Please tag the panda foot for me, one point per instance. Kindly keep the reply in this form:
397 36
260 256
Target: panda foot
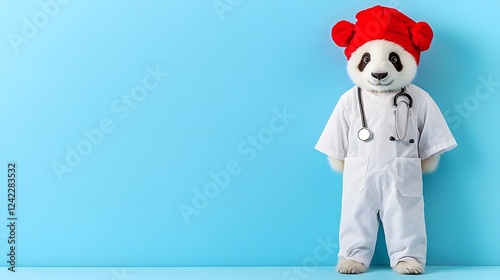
350 267
409 267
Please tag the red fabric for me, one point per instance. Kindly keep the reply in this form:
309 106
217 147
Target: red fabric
383 23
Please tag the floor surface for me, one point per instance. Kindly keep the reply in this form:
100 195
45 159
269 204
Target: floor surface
243 273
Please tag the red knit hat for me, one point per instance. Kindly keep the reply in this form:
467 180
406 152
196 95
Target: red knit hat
383 23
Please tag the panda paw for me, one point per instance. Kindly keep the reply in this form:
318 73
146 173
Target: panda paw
350 267
336 164
430 164
409 267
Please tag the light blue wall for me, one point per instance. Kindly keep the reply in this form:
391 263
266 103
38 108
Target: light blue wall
263 69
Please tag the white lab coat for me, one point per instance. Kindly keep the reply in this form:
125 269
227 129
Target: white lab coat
383 179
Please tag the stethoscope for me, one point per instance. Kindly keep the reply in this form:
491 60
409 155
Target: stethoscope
364 134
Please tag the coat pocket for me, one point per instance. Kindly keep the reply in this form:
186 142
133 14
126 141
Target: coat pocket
354 176
409 177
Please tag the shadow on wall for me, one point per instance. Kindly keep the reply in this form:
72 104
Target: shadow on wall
449 71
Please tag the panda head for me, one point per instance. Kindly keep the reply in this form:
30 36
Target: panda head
382 48
381 66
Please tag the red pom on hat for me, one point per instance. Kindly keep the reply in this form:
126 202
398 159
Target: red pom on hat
342 33
383 23
421 35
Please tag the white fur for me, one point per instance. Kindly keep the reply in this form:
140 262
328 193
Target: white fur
379 51
430 164
336 164
350 267
409 267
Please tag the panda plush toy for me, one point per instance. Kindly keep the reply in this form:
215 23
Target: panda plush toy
383 134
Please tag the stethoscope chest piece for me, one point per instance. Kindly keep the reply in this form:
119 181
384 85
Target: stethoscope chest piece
364 134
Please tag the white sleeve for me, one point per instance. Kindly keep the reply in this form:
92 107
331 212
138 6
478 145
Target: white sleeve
334 139
435 136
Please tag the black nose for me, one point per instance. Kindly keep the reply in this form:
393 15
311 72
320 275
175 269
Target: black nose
380 75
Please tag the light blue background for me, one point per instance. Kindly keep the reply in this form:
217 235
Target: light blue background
227 77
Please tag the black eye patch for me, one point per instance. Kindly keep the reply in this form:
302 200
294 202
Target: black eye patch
396 62
365 59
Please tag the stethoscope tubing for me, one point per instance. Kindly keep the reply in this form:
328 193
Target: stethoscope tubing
361 109
364 134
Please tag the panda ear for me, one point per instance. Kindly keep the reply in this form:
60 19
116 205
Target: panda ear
342 33
421 35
